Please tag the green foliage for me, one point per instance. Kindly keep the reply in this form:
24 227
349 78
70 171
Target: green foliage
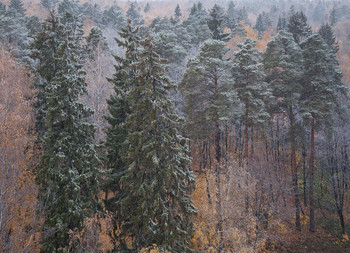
119 107
68 174
322 83
252 90
154 205
216 25
17 6
208 90
134 15
297 25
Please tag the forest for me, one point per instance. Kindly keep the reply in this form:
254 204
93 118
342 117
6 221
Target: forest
174 126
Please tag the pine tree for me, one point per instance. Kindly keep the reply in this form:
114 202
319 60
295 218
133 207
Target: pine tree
155 207
119 107
251 88
206 86
321 89
210 100
14 34
68 174
216 25
283 66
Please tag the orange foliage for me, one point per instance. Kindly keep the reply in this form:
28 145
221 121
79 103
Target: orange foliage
18 220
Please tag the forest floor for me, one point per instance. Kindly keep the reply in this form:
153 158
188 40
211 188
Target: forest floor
327 238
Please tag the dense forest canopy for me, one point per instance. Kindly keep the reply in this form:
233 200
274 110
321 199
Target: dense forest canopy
174 126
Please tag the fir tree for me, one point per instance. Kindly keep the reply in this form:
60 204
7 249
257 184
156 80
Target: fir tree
155 207
68 174
322 87
251 88
283 66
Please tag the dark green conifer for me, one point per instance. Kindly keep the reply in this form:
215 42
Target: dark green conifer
68 174
155 206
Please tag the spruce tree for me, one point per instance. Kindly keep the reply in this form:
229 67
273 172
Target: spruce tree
327 34
282 24
17 6
297 25
155 206
119 107
45 53
177 13
147 8
251 87
231 16
283 66
114 16
68 174
322 87
134 15
216 25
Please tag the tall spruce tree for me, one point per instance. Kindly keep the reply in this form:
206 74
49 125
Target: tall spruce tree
155 206
322 87
252 90
119 107
283 66
68 174
45 53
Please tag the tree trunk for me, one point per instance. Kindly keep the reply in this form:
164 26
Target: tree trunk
304 172
294 170
252 141
246 140
341 218
219 228
312 160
